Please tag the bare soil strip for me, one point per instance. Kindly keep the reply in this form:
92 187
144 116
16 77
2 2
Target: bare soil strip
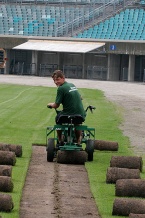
75 195
56 190
38 200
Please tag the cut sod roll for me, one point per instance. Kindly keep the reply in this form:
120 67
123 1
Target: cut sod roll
125 206
105 145
131 162
6 184
5 170
130 188
7 158
115 173
71 157
17 149
6 202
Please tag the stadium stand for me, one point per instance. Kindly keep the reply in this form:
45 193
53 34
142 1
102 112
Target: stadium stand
128 24
42 18
105 21
36 20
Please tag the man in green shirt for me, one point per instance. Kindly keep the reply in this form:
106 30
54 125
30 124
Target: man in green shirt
69 97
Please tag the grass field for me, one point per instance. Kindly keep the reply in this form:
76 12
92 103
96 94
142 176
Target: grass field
24 118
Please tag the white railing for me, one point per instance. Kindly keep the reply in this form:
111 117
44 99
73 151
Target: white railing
93 17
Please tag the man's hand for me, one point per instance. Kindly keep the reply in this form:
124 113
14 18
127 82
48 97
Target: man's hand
52 105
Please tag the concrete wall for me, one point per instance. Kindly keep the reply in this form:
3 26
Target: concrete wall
113 67
131 68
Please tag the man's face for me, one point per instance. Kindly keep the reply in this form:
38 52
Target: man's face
58 81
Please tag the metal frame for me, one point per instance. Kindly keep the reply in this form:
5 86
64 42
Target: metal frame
88 133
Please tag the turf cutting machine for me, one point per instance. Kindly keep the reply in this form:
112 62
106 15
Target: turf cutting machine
70 152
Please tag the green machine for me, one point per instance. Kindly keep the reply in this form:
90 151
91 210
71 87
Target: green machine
70 152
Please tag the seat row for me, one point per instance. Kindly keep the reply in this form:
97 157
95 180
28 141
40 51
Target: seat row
45 20
128 29
53 1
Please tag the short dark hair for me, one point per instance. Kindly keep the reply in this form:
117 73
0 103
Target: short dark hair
57 74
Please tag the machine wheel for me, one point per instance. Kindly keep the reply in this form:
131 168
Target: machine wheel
50 149
90 149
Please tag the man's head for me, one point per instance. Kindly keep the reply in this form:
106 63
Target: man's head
58 77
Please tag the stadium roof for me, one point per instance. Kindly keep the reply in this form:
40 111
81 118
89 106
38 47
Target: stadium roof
59 46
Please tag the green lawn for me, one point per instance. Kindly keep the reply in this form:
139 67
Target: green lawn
24 118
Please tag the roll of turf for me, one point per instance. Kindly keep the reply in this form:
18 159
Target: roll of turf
131 162
105 145
6 202
6 184
71 157
130 188
5 170
125 206
11 147
7 158
114 173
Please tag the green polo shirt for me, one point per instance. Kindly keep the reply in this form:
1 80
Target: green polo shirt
69 97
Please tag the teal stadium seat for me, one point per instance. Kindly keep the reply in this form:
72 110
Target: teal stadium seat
126 25
40 19
142 2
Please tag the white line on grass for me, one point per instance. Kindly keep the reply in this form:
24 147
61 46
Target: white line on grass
15 96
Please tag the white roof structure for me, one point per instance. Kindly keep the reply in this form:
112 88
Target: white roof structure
59 46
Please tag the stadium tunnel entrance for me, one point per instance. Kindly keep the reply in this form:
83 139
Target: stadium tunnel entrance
69 56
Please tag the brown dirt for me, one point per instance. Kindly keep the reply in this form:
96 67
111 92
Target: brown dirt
57 190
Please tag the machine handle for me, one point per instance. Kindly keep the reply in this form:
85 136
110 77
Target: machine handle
91 108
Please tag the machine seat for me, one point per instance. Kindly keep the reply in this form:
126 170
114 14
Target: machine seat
70 119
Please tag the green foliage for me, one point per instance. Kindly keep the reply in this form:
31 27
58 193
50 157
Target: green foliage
24 118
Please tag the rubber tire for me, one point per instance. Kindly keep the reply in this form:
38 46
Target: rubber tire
50 149
90 149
